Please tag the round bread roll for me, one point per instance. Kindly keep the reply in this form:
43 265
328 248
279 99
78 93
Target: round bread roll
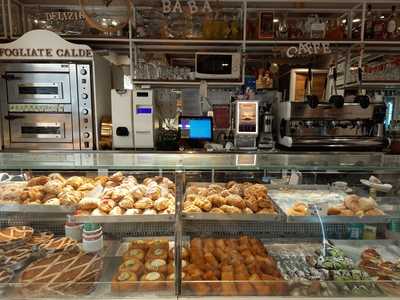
352 202
367 203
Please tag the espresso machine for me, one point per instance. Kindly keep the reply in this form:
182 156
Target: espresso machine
351 127
266 140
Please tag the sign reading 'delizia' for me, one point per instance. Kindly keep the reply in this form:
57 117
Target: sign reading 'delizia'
308 48
175 6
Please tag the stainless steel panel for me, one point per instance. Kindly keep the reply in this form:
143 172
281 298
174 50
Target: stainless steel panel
38 88
41 127
84 98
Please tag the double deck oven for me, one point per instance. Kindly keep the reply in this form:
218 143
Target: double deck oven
46 106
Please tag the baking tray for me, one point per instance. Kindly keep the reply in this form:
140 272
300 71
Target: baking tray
324 194
204 216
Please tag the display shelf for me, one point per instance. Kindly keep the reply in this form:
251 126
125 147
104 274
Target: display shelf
124 219
231 217
36 209
185 83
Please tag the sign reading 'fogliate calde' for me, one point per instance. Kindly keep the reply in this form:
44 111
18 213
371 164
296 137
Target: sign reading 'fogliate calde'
46 45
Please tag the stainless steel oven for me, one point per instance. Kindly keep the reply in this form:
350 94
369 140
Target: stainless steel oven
47 106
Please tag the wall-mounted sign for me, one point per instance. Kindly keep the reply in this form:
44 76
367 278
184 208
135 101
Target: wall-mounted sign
175 6
308 48
46 45
64 16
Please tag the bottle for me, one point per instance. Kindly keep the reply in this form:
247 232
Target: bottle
369 24
391 26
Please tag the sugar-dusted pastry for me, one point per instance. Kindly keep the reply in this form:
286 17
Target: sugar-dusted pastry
132 211
153 192
88 203
75 181
98 212
149 211
231 209
56 176
119 193
53 201
127 202
144 203
135 253
138 191
132 265
130 180
161 203
86 187
116 211
40 180
53 187
106 205
69 197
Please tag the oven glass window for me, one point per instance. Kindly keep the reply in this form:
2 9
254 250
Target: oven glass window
40 130
38 90
214 64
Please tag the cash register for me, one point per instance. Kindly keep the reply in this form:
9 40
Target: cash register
194 132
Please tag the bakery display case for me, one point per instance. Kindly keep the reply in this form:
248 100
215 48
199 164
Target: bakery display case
114 225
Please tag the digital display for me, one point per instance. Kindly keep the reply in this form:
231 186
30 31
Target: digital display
247 120
143 110
38 90
196 128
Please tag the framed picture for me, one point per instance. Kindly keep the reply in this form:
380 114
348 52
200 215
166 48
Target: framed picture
265 25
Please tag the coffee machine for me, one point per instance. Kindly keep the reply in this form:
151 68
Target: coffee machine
266 140
351 127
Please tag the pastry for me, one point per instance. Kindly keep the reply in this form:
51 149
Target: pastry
81 212
116 211
127 202
117 177
39 238
5 276
106 205
161 203
53 201
231 209
144 203
134 253
216 210
149 211
132 265
40 180
132 211
235 200
366 203
16 258
139 244
153 193
158 253
119 193
124 282
15 234
352 202
334 211
88 203
56 176
11 192
86 187
69 197
156 265
374 212
98 212
53 187
32 194
60 244
152 281
61 274
217 200
203 203
75 181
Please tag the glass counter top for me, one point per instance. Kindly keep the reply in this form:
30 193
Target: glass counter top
198 161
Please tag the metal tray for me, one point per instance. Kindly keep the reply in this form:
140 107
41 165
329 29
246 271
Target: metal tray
204 216
283 205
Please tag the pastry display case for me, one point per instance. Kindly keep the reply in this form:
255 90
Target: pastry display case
114 225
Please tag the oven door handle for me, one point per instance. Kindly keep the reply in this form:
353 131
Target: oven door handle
13 117
10 77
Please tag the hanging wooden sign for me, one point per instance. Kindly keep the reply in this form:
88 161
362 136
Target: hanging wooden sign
175 6
308 48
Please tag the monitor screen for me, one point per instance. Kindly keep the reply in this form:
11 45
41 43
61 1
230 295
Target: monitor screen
196 128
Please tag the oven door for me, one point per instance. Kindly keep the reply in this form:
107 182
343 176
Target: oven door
38 87
40 130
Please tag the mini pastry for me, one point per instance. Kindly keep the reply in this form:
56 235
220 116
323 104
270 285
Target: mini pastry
252 203
127 202
203 203
235 200
144 203
106 205
154 192
156 265
159 253
86 187
347 212
228 288
53 201
149 211
53 187
124 282
152 281
139 244
119 193
69 197
262 288
32 194
202 191
192 209
40 180
98 212
56 176
231 209
75 181
159 244
117 177
248 211
161 203
88 203
133 211
116 211
134 253
148 180
216 210
132 265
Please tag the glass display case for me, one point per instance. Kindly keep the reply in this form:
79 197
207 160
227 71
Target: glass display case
106 225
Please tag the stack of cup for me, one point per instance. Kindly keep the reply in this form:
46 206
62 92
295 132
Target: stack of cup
92 238
73 230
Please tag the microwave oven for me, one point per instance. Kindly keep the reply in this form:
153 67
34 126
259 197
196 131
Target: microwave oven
211 65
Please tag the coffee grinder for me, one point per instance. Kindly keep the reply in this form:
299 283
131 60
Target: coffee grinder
266 140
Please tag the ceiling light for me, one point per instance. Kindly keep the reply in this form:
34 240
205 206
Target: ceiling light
276 20
344 21
382 17
356 20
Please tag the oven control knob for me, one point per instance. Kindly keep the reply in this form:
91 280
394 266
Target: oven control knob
85 111
85 96
86 135
83 71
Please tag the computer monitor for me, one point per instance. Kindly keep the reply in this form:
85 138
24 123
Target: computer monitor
195 129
